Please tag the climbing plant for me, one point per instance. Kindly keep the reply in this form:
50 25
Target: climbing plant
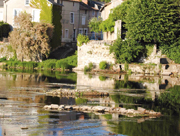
50 13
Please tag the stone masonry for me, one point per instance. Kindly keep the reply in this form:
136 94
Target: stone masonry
95 52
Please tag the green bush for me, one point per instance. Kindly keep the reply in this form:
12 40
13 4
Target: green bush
3 59
89 67
48 64
82 39
4 29
103 65
102 78
127 50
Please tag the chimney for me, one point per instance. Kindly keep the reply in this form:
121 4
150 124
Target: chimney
85 1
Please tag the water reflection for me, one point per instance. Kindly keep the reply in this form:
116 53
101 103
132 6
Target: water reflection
22 99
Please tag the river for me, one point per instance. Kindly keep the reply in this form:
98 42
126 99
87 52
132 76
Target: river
22 99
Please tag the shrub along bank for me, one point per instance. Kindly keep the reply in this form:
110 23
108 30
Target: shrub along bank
51 64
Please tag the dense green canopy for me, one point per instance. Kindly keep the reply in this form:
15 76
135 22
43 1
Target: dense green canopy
148 22
153 21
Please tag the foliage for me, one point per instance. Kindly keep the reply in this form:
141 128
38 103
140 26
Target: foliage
102 78
82 39
170 100
89 67
106 1
153 21
50 13
80 101
56 18
67 63
3 59
30 41
126 66
118 13
94 24
21 65
127 50
4 29
103 65
149 49
107 25
172 51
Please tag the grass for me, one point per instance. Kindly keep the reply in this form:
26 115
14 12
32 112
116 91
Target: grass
52 64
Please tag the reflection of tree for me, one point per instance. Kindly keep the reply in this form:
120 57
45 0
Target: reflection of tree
59 77
80 101
169 103
130 100
165 127
127 84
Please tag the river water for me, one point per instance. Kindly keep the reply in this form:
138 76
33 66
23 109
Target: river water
22 99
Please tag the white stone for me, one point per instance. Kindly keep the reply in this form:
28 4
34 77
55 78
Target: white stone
54 106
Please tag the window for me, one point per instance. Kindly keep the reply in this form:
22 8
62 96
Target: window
66 33
72 17
85 11
27 2
80 30
16 13
35 15
83 20
86 31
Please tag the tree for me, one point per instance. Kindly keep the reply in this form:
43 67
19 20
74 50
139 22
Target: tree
50 13
30 40
94 24
127 50
153 21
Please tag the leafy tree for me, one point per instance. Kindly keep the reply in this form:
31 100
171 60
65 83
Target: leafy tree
155 21
118 13
50 13
94 24
30 40
82 39
127 50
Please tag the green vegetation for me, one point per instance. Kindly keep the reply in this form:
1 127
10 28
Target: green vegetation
102 78
3 59
94 24
66 63
82 39
80 101
89 67
50 13
103 65
126 51
148 22
4 29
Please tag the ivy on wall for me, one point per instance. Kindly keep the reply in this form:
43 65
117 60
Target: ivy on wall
50 13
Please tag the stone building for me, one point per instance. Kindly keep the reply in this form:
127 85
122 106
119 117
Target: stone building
75 17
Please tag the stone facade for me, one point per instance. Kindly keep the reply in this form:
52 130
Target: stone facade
95 52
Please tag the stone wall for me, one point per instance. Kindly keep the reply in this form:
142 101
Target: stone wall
95 52
6 51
